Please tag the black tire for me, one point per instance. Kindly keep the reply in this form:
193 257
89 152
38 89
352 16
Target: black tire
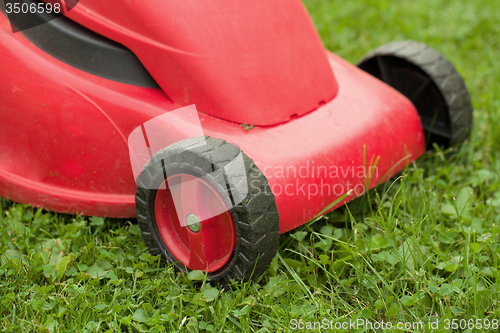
433 85
256 218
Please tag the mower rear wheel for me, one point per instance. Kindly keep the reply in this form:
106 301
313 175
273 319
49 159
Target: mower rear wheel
431 83
227 231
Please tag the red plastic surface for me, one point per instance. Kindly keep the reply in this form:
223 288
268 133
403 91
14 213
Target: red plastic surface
63 136
210 248
256 62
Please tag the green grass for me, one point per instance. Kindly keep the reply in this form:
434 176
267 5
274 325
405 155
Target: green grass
421 247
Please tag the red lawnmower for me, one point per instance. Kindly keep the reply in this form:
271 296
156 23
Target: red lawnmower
97 119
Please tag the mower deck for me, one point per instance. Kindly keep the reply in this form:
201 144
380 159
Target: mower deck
89 171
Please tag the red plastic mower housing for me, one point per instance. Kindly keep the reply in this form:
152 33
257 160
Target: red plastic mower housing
258 63
63 134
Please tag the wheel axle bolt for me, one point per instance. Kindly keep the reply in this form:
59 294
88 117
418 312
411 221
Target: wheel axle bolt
193 223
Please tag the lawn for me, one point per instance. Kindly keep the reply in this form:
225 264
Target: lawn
420 248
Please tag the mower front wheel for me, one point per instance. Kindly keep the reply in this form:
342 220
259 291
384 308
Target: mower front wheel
431 83
202 204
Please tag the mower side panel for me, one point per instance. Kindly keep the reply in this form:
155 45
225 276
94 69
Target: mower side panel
63 132
257 62
63 137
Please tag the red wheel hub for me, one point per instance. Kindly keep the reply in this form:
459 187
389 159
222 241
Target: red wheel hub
206 245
